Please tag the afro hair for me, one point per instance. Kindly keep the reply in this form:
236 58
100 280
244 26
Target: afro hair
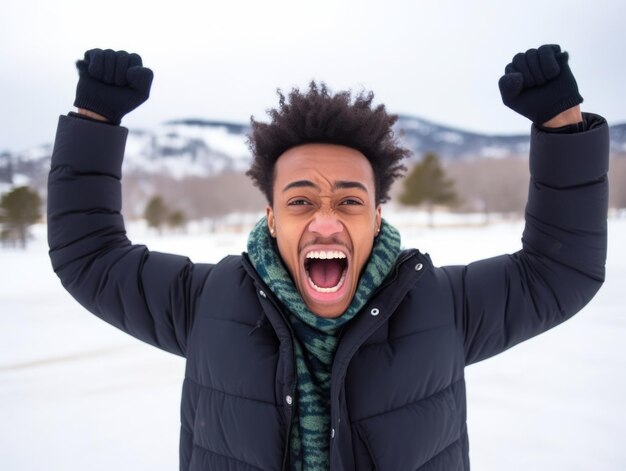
319 116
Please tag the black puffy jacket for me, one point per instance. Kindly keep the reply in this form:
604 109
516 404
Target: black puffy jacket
398 393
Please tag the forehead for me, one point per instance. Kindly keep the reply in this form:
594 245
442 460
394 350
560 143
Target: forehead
323 163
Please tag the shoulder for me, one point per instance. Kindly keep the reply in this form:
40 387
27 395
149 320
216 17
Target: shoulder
229 291
227 270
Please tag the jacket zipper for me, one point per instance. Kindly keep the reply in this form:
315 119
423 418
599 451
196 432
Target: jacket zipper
390 280
270 298
293 388
288 438
396 270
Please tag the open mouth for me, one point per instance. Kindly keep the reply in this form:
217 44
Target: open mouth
326 270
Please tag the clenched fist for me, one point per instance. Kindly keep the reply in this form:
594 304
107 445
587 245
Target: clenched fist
539 84
112 83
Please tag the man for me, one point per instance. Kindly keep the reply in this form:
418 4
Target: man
325 346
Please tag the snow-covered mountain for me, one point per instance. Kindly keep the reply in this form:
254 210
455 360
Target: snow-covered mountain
189 147
422 136
196 147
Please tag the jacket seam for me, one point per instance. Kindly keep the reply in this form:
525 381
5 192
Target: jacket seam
226 456
425 398
539 253
401 337
234 321
232 395
366 443
459 313
194 298
458 439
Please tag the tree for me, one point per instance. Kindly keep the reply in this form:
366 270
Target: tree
427 184
156 213
617 177
177 220
19 209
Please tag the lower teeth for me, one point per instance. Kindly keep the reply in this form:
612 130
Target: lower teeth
334 289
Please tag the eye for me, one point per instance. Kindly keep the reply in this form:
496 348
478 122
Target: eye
351 202
298 202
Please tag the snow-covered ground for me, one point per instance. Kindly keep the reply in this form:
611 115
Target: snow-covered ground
76 394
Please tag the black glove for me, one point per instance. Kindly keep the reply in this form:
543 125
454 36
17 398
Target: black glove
112 83
539 84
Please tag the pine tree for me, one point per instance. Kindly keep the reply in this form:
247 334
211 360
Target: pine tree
427 184
177 220
19 209
156 213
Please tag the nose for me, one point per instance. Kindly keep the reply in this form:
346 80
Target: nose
325 224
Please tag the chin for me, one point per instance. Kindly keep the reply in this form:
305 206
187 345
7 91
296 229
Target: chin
329 310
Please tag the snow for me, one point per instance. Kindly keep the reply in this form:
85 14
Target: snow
449 136
218 137
77 394
37 153
495 152
415 124
20 180
186 150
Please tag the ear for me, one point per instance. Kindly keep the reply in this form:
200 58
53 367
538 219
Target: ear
379 217
271 223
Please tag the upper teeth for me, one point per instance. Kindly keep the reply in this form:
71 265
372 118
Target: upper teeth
324 254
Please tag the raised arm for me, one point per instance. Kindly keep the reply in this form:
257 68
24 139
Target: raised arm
505 300
150 295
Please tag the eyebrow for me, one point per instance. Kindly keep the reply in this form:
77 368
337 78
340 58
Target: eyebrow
338 185
346 184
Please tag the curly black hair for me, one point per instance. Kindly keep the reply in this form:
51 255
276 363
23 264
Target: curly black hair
319 116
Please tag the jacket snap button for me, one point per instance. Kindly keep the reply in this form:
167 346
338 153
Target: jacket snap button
289 399
375 311
262 293
418 267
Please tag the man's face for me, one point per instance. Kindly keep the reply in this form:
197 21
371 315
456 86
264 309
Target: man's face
324 218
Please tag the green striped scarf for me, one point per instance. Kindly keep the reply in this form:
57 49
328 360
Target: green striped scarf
316 338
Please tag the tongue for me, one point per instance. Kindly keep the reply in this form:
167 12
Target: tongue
325 273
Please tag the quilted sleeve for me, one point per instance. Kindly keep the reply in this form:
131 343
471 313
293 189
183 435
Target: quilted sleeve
507 299
149 295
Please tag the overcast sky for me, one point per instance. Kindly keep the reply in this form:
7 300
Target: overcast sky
224 60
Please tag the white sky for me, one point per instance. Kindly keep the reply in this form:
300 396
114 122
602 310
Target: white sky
438 60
